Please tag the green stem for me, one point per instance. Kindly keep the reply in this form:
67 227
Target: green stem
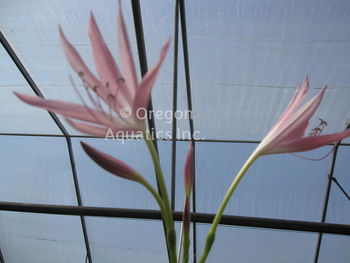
211 234
186 247
167 214
186 236
159 200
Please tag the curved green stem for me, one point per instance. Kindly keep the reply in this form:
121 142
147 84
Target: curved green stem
155 194
167 214
211 234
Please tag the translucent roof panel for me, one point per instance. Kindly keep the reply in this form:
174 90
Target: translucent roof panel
248 57
158 20
118 240
334 248
254 245
290 190
17 117
29 237
36 170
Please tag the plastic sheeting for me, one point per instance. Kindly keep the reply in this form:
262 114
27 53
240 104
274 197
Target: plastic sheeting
246 60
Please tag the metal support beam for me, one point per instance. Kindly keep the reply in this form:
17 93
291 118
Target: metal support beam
136 10
190 109
255 222
174 121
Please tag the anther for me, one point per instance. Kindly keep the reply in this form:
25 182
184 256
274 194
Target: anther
323 122
318 130
121 78
111 96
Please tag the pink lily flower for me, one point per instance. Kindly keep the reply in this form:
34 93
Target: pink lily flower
112 164
125 99
189 171
287 134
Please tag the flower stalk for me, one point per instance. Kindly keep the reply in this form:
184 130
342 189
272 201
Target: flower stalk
186 218
168 217
186 230
286 136
217 218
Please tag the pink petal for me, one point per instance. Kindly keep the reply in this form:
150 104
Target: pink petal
189 171
104 131
309 143
79 66
296 101
298 134
125 54
107 69
293 105
293 125
111 164
145 88
66 108
287 111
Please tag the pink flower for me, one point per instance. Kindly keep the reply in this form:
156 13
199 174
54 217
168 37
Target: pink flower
189 171
287 134
121 95
112 164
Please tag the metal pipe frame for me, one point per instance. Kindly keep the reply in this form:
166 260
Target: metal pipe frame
190 109
255 222
327 194
37 91
141 47
174 121
317 227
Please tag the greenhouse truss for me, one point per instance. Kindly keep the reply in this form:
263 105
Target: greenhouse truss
231 70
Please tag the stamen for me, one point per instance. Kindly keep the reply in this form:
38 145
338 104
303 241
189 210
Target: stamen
111 104
81 74
98 106
323 122
318 130
121 78
83 101
110 96
309 159
315 131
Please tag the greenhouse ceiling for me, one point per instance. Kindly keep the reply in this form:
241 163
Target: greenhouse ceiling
230 72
